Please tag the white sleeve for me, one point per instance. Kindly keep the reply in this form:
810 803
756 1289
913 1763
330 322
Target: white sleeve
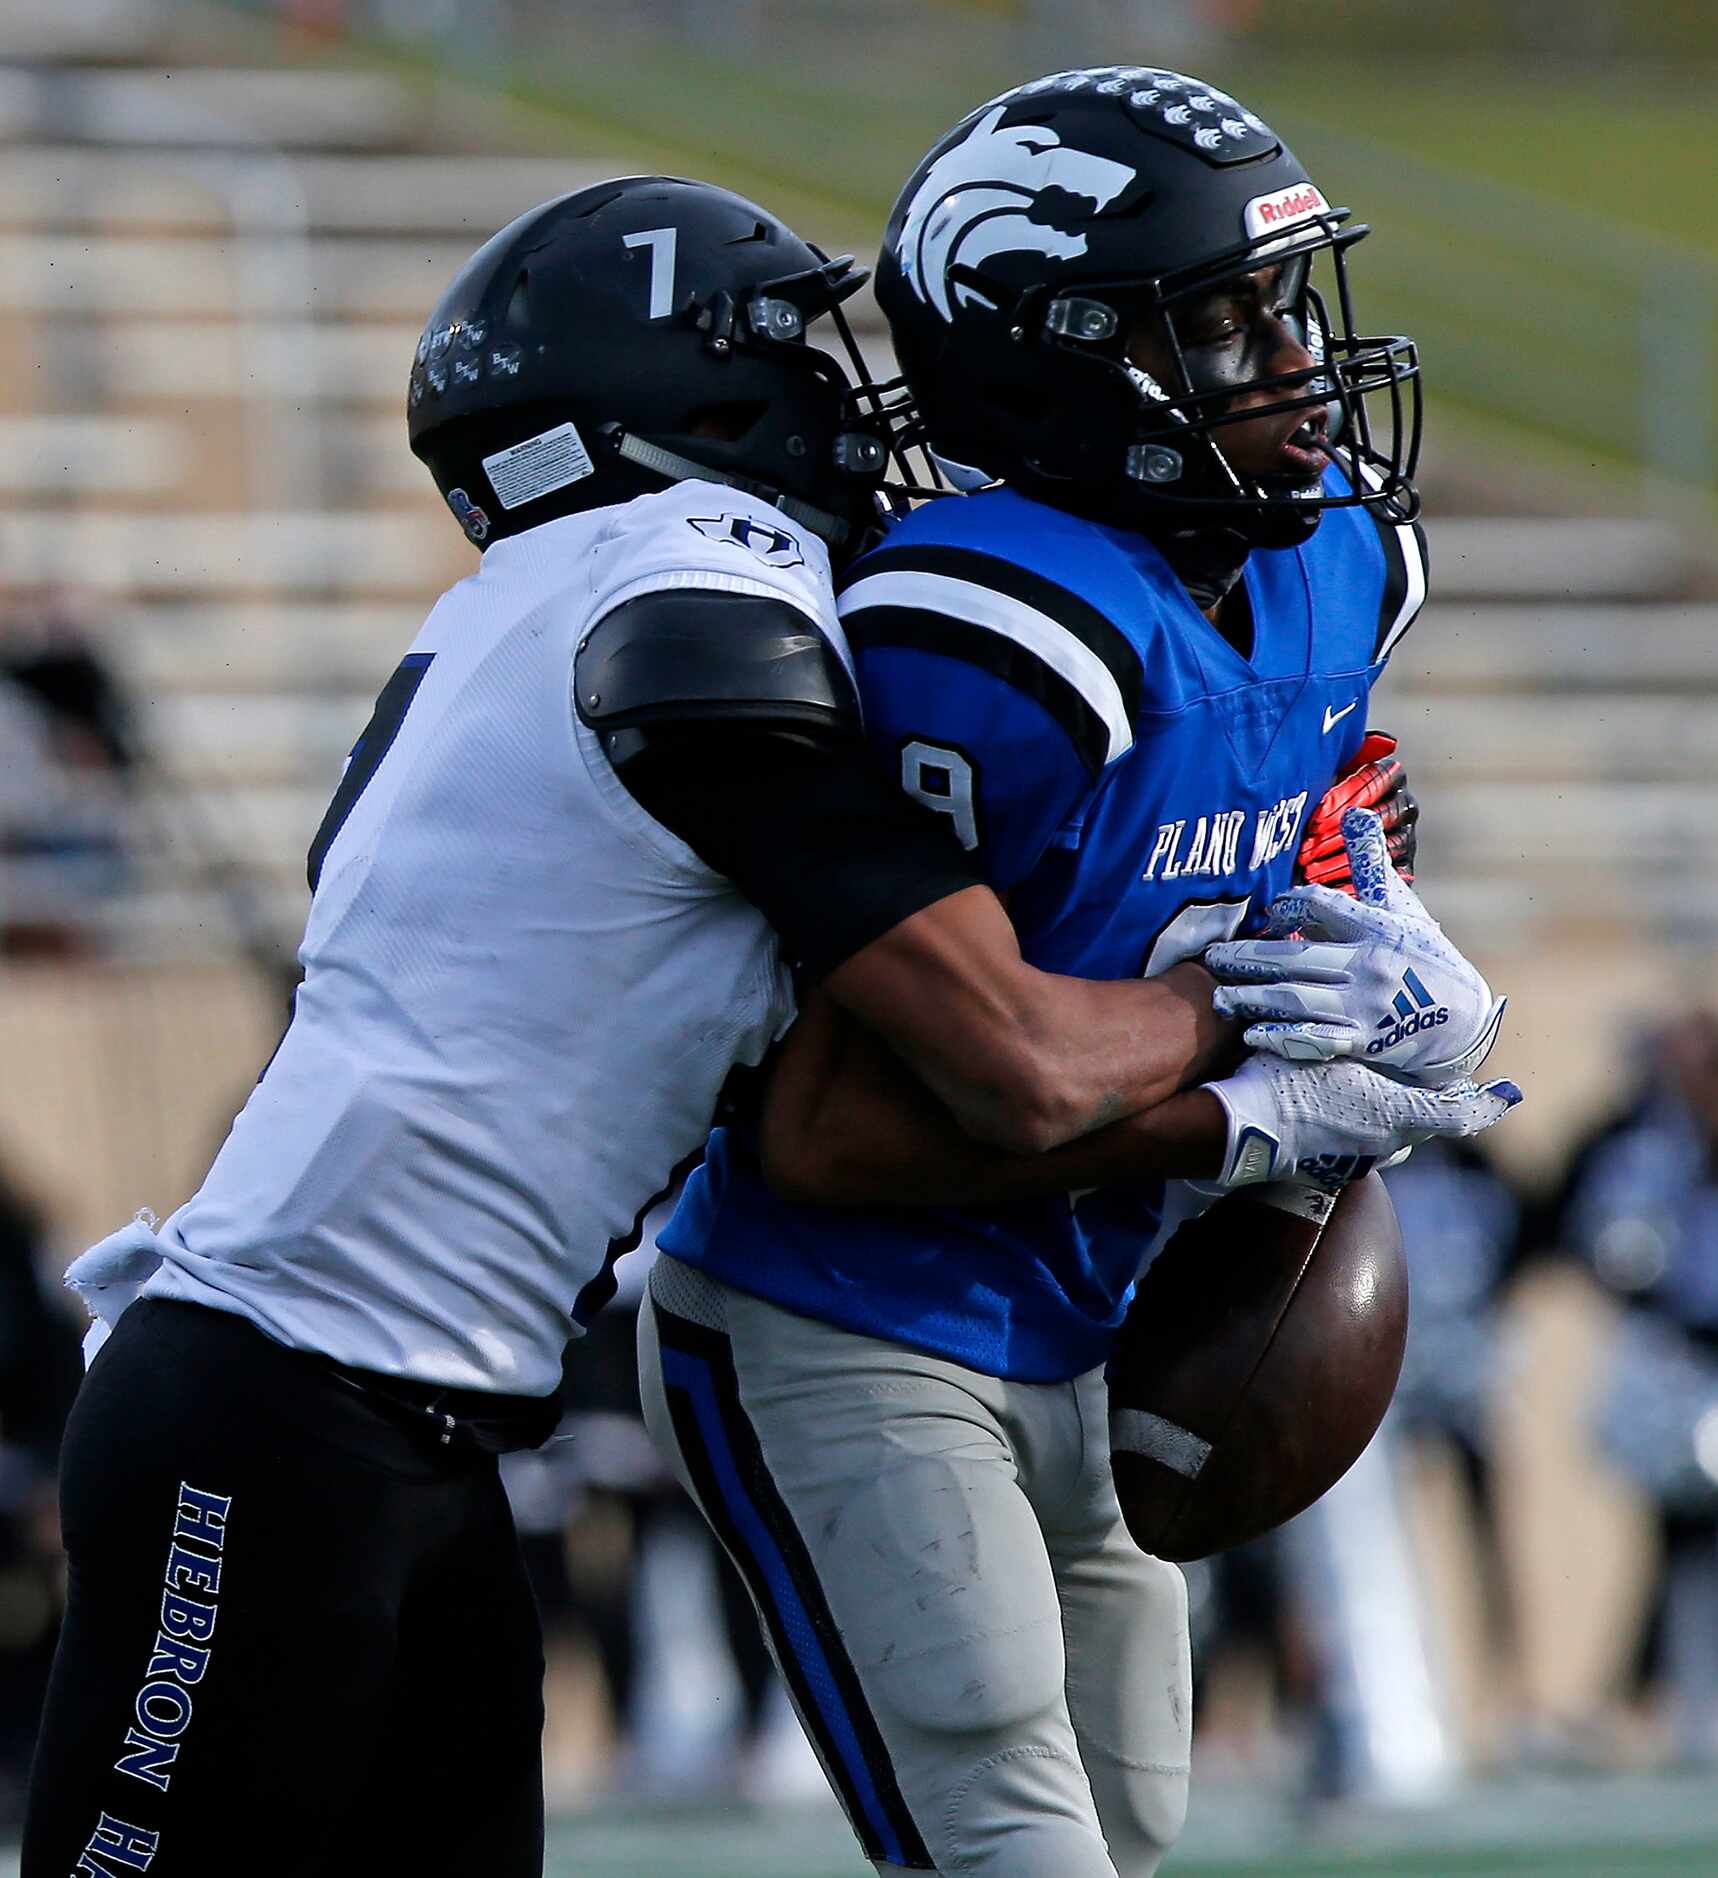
708 536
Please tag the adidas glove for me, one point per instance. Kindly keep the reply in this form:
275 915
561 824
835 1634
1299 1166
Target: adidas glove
1371 977
1325 1124
1374 780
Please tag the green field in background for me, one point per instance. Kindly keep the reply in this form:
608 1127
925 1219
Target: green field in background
694 1852
1696 1861
1525 1825
710 1849
1568 1825
839 135
1692 1860
694 1855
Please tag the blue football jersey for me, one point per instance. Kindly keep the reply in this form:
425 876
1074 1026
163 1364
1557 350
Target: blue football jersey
1136 788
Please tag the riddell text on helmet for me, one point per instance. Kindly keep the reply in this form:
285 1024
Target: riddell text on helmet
1295 204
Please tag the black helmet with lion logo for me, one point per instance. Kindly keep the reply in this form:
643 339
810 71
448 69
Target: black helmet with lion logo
1050 227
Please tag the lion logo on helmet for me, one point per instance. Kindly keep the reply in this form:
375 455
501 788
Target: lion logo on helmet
986 195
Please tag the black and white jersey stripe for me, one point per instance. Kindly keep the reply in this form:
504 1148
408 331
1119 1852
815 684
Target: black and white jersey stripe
1406 566
1033 634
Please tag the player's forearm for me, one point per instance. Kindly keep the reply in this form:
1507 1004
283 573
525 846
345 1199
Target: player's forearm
845 1125
1070 1057
1023 1059
1182 1138
1117 1049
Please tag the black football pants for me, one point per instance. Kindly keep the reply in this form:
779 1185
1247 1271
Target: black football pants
298 1639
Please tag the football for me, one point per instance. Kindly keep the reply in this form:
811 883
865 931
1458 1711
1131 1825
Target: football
1256 1361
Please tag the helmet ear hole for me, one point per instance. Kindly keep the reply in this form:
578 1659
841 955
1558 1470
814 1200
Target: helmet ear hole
729 422
1026 402
518 312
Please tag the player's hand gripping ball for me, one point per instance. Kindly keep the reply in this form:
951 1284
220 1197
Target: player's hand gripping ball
1325 1124
1255 1363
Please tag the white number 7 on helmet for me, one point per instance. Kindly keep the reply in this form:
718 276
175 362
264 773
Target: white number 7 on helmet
660 242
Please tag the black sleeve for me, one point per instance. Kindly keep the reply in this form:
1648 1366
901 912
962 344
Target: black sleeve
818 837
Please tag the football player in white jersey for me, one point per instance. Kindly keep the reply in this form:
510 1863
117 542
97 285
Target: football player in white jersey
615 784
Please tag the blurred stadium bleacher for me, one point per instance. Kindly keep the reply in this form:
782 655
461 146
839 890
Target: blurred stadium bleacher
211 280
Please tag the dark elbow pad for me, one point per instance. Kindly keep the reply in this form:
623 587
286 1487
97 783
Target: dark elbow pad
690 656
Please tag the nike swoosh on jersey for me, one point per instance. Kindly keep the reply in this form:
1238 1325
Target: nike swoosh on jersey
1333 718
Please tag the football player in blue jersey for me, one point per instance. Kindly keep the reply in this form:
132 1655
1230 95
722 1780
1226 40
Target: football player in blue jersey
1123 670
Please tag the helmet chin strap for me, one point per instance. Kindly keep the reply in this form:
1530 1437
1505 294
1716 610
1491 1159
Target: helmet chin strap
1208 553
649 456
1207 561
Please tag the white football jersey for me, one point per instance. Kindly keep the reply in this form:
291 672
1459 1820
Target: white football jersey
521 995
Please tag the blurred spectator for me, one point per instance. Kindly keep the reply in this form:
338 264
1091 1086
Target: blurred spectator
65 748
39 1370
1462 1232
1641 1207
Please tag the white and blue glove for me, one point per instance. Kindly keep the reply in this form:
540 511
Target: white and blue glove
1325 1124
1372 978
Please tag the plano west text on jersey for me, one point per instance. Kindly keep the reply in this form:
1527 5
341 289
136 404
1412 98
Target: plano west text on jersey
1213 847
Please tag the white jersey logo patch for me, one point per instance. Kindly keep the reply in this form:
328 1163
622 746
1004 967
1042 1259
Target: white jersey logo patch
775 547
978 198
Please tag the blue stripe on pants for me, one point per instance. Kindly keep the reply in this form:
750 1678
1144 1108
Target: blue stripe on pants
681 1371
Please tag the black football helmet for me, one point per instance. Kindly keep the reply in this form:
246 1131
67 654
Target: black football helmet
1049 226
635 334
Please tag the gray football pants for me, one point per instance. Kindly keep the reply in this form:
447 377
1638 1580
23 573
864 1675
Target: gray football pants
995 1678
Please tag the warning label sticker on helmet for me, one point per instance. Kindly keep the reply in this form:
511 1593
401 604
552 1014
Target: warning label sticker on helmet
1300 202
538 466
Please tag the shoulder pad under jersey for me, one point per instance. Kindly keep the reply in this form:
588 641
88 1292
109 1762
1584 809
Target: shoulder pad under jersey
693 655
